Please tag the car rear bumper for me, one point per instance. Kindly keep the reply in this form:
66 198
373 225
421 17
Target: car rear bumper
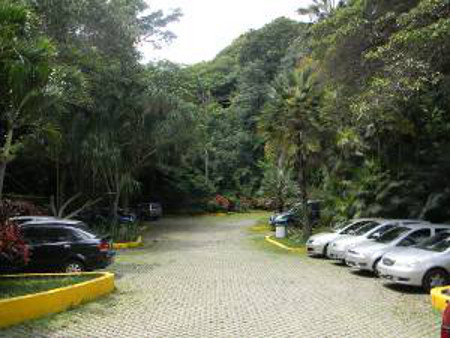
315 249
400 275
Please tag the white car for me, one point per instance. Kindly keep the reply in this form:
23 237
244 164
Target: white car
366 256
338 248
317 245
426 265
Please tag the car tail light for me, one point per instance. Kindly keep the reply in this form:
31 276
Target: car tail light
103 246
445 329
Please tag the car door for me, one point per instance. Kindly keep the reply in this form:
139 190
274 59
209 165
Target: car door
35 238
49 247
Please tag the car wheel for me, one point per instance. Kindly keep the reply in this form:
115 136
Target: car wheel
375 268
74 266
325 250
435 278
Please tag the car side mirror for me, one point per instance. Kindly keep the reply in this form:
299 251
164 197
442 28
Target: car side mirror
376 236
351 232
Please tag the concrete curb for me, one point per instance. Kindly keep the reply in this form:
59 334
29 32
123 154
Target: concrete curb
129 245
273 241
439 300
20 309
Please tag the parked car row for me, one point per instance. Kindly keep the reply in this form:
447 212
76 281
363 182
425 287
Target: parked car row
63 245
410 252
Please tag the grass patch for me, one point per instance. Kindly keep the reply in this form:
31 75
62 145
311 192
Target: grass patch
261 226
21 286
261 244
290 242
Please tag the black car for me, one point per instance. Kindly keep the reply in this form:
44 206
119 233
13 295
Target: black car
103 215
65 247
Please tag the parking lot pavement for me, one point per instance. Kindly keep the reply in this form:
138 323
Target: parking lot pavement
209 277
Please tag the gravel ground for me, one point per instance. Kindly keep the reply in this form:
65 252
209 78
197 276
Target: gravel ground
211 277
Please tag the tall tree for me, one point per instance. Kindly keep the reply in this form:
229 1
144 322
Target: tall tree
25 69
292 120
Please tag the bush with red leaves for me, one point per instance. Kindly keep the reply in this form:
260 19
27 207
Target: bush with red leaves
9 208
223 202
14 252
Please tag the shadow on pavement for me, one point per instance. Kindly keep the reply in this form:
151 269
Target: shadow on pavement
408 289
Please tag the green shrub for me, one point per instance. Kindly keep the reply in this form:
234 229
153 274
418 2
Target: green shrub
120 232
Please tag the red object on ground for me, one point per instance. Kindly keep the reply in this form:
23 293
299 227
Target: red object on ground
445 328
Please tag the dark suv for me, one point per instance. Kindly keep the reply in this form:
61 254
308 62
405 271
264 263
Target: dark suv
66 246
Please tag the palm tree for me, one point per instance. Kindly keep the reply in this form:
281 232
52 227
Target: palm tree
291 122
321 9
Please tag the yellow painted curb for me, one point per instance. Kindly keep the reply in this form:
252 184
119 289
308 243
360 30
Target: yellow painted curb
129 245
282 246
439 300
19 309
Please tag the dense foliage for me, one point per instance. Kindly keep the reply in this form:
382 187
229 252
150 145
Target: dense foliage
352 109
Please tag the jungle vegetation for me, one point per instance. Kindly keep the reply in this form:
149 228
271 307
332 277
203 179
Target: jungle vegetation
351 108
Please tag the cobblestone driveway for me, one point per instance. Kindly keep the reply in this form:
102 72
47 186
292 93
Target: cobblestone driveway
208 277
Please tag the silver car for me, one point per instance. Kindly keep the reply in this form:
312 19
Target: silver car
338 248
366 256
23 219
317 245
426 265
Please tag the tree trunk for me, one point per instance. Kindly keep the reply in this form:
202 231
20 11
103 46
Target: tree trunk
206 165
5 156
281 205
2 177
116 202
126 201
302 183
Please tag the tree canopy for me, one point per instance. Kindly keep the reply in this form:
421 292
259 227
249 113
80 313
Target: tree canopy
351 108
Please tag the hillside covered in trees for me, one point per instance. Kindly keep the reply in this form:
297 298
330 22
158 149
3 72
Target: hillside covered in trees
352 108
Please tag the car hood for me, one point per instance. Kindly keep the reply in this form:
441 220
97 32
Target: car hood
324 237
370 248
283 215
407 255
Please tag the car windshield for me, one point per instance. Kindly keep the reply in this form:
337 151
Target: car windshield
352 228
438 243
390 235
366 228
86 234
380 231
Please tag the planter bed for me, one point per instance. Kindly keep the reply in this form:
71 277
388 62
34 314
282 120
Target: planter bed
128 245
21 286
440 297
46 294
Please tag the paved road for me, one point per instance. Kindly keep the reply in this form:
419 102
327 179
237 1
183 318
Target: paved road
208 277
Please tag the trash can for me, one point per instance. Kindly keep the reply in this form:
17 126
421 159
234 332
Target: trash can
280 230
